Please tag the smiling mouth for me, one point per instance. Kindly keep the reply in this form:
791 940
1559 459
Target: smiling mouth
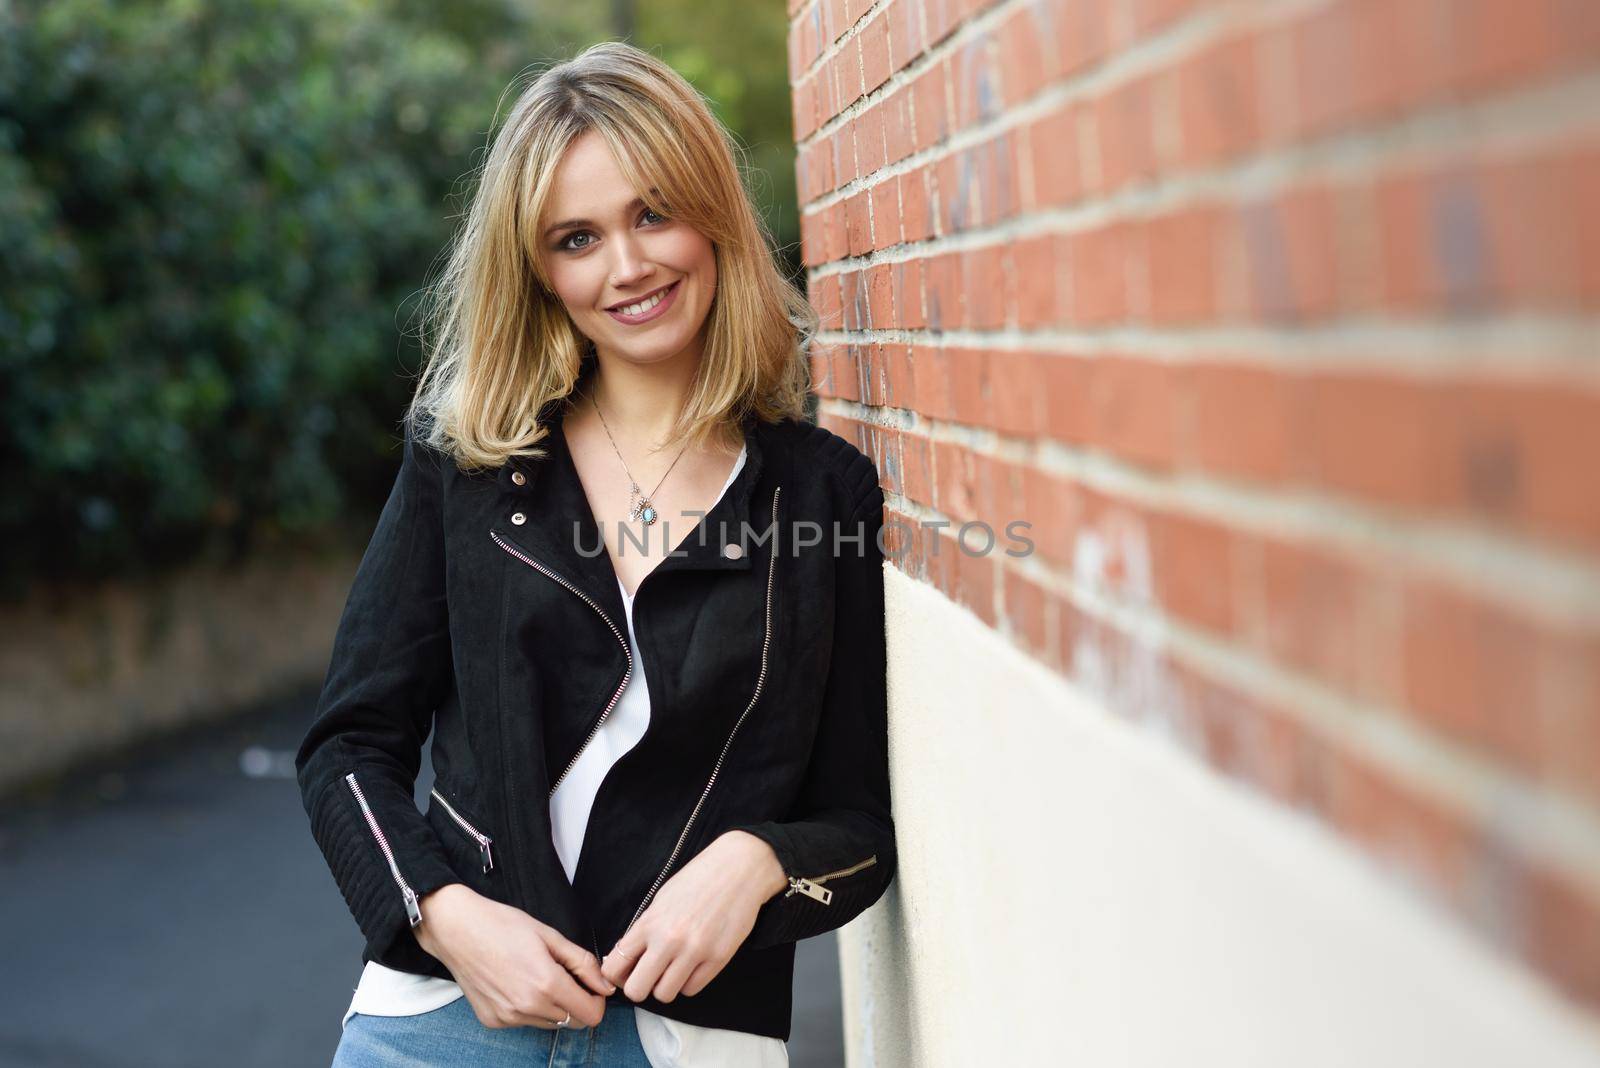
648 301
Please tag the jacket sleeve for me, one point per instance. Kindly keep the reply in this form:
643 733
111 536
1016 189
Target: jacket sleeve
838 847
358 763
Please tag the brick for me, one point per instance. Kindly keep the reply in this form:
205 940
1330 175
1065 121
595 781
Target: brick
1238 420
1126 127
1024 617
929 105
885 214
852 301
1131 405
1467 665
944 300
1022 44
1066 383
838 231
1040 292
1381 437
871 152
909 294
1183 265
858 224
1217 101
985 278
1013 383
1082 36
1053 147
1290 246
1517 454
847 166
916 222
1194 571
897 128
1562 932
1100 265
874 38
1323 615
905 33
880 297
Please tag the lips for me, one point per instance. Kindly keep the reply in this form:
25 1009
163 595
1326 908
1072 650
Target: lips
635 300
663 304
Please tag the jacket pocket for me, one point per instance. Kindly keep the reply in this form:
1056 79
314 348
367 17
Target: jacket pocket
484 842
812 887
413 910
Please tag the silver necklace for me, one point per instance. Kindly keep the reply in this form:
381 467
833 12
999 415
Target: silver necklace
639 506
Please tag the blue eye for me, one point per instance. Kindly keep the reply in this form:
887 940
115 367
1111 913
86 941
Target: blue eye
566 247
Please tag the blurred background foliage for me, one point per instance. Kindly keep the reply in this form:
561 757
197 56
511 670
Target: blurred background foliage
216 221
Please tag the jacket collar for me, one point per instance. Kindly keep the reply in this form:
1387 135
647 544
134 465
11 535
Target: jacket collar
559 528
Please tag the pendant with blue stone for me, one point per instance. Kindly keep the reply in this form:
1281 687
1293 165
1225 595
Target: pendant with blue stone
647 512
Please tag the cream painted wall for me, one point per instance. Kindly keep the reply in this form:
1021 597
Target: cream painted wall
1074 891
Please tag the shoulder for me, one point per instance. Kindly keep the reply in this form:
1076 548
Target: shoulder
848 473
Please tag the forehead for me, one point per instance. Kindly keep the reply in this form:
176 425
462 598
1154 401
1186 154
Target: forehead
587 179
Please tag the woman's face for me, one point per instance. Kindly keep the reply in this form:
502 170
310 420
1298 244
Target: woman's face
605 253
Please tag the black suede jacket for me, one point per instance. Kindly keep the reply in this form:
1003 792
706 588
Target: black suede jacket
486 607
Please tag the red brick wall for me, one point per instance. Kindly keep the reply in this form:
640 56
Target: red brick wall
1277 321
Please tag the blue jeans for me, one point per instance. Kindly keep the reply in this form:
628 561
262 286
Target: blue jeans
451 1035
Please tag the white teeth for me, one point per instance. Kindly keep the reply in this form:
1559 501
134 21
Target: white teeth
644 305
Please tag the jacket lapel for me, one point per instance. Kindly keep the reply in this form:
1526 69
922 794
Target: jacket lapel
558 527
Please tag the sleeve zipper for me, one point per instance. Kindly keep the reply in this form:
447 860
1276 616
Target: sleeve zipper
813 887
413 910
484 841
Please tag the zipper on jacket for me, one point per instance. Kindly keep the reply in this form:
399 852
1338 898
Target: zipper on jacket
590 601
813 887
484 841
413 910
761 679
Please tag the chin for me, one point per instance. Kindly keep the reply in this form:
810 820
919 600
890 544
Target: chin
653 350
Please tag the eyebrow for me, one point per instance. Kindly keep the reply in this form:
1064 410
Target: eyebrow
567 224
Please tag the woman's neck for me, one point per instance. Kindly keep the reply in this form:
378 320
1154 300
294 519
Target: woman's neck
640 401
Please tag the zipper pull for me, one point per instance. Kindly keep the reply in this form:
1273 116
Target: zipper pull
488 857
810 889
413 910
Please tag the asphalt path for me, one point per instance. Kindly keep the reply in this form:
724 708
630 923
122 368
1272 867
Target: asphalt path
169 908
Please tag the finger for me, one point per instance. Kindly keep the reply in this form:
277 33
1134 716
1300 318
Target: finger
706 971
619 963
582 963
589 972
646 972
565 995
672 979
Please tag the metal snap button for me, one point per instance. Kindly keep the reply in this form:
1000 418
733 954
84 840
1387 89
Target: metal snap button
732 552
518 477
518 518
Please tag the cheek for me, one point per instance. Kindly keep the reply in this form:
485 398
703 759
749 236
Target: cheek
573 286
692 253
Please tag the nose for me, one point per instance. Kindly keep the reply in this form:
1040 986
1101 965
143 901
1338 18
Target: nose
630 267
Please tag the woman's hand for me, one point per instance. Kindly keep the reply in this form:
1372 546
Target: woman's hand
697 921
514 970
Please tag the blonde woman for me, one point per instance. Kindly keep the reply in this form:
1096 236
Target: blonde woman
638 601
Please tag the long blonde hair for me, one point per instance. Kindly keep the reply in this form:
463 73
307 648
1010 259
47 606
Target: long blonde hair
499 346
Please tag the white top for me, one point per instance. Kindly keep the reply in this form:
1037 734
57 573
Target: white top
668 1043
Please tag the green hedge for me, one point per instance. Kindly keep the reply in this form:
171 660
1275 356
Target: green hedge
216 222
